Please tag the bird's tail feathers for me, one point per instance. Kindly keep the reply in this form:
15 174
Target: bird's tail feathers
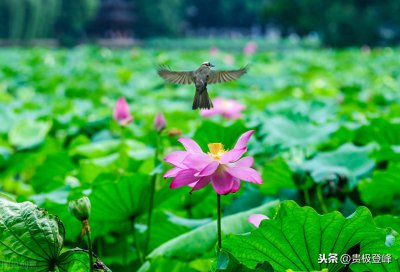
202 100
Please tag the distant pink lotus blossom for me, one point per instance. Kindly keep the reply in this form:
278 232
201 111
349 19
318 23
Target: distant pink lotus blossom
256 219
365 49
229 109
224 169
214 51
159 122
121 112
250 48
229 59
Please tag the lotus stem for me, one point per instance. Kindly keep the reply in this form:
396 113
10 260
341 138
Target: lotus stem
152 192
321 199
86 229
138 251
219 236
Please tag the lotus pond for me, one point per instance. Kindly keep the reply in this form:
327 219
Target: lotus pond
312 184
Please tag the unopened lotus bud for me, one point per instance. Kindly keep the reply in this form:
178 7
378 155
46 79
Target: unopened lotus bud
80 208
159 122
121 112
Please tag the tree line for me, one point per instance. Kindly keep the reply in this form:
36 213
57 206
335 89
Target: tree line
337 22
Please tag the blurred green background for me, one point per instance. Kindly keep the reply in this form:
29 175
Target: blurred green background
335 23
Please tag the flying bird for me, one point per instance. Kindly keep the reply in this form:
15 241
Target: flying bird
201 77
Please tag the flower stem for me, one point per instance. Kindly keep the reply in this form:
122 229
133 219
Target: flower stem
150 212
152 192
90 250
124 159
321 199
307 196
86 230
219 222
138 251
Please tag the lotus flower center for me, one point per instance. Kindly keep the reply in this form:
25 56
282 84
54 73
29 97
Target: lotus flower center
226 105
216 150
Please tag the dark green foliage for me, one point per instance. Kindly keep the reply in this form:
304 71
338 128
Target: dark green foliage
23 20
158 18
28 19
339 23
75 15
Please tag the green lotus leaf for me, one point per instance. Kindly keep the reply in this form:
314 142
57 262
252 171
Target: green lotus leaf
211 132
200 241
28 133
383 188
348 160
118 200
277 176
381 131
31 239
297 236
287 133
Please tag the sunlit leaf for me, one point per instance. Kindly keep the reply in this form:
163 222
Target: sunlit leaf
118 200
28 133
383 188
201 240
348 160
296 237
31 239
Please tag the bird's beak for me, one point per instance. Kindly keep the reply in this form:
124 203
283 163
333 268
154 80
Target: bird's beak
212 65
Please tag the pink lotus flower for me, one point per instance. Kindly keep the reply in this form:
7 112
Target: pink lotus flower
159 122
224 169
250 48
229 109
256 219
214 51
121 112
229 59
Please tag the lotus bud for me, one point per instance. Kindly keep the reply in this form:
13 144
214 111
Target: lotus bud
159 122
121 112
80 208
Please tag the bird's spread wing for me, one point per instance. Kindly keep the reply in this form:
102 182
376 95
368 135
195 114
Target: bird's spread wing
224 76
176 77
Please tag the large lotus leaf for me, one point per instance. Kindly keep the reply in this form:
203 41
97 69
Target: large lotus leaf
96 149
392 225
76 260
118 200
28 133
200 241
31 239
387 153
383 188
277 176
52 172
348 160
297 235
167 226
56 202
381 131
319 111
388 221
89 169
287 133
7 117
210 132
